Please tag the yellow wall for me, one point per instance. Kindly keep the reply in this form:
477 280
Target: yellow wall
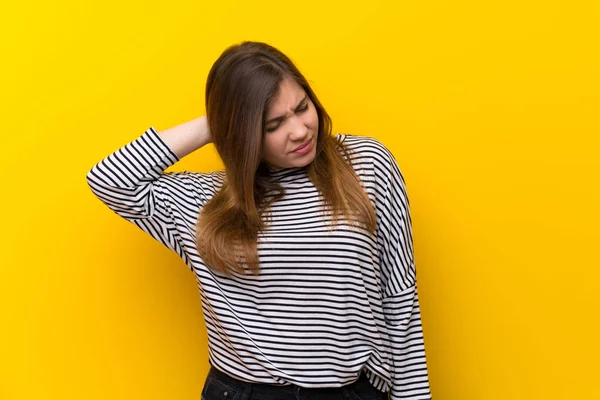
491 108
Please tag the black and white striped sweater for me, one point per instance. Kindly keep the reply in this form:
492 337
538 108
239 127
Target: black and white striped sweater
326 303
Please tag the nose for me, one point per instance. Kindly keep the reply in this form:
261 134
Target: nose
298 131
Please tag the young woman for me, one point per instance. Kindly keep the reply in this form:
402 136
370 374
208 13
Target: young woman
301 246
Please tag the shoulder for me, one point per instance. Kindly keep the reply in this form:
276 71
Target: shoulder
367 148
204 182
213 178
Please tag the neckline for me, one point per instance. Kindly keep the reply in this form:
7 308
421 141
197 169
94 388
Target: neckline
288 171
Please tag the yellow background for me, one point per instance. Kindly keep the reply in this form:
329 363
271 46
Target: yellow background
491 108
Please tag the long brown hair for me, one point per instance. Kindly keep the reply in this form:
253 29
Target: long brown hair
241 85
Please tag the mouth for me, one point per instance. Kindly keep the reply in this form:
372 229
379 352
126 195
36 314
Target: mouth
303 146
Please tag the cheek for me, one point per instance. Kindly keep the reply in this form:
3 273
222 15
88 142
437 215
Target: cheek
313 119
273 145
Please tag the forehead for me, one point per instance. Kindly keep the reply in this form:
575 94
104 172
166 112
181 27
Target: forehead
288 95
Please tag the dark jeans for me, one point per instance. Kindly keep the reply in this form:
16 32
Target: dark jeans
220 386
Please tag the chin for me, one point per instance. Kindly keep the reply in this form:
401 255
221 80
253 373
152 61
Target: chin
306 162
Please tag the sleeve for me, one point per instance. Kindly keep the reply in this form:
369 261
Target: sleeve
400 298
131 182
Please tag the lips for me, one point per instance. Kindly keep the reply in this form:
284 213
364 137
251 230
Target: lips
302 146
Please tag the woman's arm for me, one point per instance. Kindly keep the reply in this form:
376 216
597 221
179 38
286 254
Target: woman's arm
401 308
188 137
132 182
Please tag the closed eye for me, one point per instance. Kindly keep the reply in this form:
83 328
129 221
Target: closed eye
298 110
303 108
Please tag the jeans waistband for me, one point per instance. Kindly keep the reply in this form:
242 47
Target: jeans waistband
267 389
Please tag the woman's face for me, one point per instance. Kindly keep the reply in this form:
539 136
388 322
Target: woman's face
291 121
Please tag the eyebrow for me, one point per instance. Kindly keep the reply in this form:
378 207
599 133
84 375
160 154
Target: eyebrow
282 117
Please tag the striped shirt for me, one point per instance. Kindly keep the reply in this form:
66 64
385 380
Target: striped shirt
327 303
